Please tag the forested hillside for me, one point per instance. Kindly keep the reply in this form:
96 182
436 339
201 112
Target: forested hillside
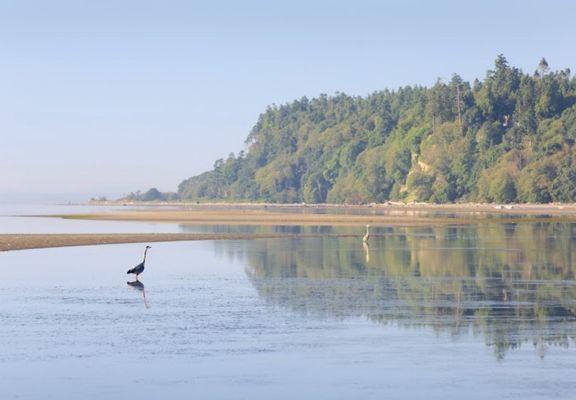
507 138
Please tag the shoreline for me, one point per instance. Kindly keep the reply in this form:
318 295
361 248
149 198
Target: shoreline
226 215
13 242
415 215
391 205
206 217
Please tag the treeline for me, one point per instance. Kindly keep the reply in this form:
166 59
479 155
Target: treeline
152 194
507 138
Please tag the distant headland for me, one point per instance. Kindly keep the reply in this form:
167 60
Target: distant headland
506 139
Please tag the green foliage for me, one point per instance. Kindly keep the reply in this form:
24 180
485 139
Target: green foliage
507 138
152 194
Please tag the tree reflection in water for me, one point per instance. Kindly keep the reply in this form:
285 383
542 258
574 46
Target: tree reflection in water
510 283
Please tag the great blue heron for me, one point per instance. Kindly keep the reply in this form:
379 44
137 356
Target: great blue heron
137 270
367 235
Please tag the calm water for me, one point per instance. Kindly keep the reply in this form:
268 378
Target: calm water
11 220
450 312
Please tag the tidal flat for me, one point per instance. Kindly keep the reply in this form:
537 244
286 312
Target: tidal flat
466 310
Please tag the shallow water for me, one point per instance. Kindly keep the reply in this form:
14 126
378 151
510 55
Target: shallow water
440 312
12 220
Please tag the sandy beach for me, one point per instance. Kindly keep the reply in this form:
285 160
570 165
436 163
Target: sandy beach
37 241
352 215
287 215
524 208
251 217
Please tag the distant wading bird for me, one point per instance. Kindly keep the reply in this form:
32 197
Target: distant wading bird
367 235
137 270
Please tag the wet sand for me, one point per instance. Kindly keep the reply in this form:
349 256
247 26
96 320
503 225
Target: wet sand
355 216
394 206
37 241
252 217
289 215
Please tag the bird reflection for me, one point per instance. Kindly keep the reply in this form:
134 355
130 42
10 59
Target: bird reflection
138 285
367 251
541 347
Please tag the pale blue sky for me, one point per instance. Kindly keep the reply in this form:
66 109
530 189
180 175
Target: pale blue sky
110 96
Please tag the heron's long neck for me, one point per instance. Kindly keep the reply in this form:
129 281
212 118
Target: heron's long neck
144 260
367 230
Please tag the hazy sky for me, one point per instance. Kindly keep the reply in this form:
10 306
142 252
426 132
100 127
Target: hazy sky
107 97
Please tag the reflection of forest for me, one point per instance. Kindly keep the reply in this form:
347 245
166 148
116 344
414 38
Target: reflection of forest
509 283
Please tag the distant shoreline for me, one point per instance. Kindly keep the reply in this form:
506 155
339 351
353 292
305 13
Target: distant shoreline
389 215
322 215
547 208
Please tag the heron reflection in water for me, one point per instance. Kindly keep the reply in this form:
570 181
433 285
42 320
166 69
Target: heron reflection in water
365 241
138 285
367 251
